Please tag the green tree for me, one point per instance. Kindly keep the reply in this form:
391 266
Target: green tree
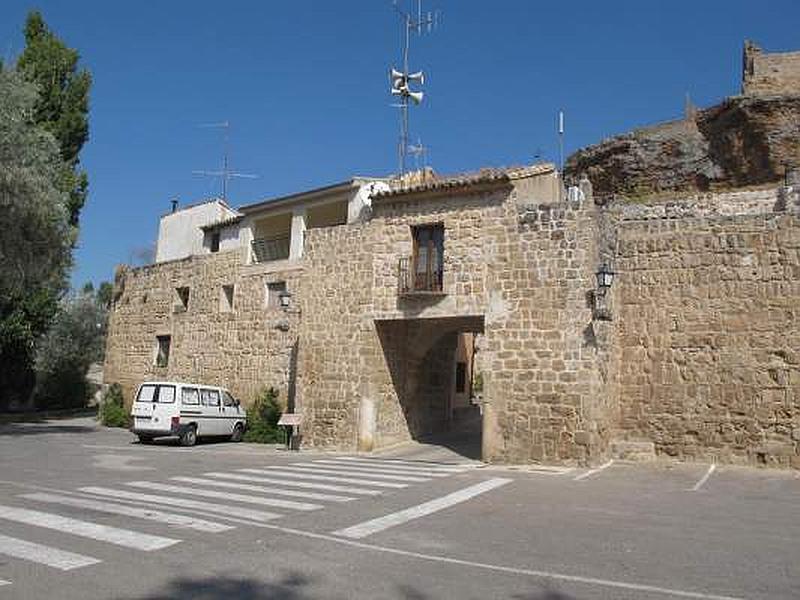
73 342
35 236
105 294
63 104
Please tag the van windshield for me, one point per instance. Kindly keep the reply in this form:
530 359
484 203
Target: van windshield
164 394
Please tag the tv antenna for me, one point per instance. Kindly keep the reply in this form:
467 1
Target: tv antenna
225 174
400 79
419 151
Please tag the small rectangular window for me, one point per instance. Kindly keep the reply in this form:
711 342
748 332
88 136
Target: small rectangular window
226 298
274 291
162 350
209 397
461 377
190 396
182 295
215 241
166 394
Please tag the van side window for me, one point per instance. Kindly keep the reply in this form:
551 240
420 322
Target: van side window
147 393
210 397
227 399
190 396
166 394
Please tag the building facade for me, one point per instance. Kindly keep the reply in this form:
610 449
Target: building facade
386 312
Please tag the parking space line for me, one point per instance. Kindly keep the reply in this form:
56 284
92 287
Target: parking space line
704 478
591 472
44 555
366 528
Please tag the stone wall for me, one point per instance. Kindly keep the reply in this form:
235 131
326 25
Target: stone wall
707 315
516 264
243 349
769 73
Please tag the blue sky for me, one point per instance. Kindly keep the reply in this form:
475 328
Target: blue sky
304 84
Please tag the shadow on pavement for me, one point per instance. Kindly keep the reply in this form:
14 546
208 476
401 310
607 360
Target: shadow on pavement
16 429
291 587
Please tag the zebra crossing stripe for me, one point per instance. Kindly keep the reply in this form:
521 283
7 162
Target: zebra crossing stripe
290 473
306 485
178 489
44 555
362 468
95 531
328 470
177 503
443 467
264 490
131 511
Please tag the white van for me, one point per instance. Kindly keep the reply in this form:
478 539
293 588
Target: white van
186 410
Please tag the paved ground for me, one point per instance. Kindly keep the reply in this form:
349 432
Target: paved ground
86 513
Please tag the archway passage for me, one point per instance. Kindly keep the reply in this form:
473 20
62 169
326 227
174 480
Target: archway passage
433 395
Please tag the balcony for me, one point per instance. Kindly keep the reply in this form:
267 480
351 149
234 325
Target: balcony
427 279
270 248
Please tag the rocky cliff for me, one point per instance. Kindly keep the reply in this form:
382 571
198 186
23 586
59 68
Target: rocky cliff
745 140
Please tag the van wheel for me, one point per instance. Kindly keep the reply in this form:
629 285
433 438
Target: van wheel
238 433
145 439
189 436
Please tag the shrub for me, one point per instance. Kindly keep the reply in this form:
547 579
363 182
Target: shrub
262 419
112 410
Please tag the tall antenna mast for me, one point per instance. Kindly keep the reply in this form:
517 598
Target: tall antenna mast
225 174
561 141
401 79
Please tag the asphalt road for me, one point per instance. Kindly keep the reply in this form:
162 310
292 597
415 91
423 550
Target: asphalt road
87 513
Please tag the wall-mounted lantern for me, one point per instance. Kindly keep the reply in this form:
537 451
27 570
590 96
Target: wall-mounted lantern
285 299
605 277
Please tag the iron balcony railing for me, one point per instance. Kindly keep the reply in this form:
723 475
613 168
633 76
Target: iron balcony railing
271 248
423 280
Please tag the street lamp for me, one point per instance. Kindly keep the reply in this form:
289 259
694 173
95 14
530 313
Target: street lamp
605 277
285 299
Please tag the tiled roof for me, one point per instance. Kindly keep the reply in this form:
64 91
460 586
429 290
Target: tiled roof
222 223
430 182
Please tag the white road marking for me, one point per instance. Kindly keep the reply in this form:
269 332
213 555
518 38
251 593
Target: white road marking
591 472
44 555
271 473
95 531
4 582
361 467
264 490
344 470
130 511
415 512
704 478
178 503
193 491
536 573
300 484
435 466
